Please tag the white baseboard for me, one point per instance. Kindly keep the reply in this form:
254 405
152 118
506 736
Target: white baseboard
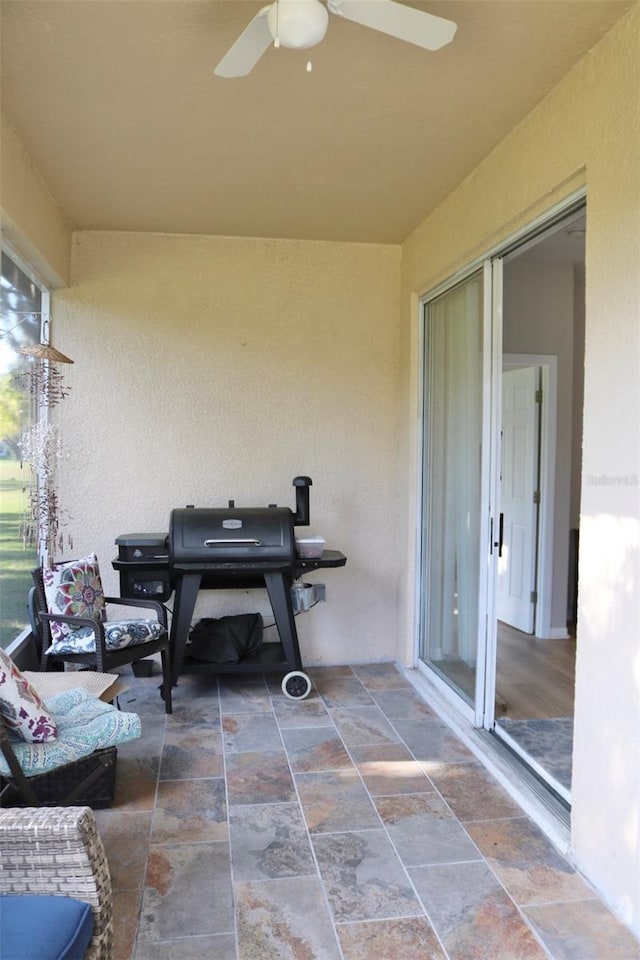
553 633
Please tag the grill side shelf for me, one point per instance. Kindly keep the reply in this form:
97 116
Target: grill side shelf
330 558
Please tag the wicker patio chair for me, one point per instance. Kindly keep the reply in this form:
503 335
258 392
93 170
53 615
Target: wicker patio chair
58 851
102 658
75 767
90 780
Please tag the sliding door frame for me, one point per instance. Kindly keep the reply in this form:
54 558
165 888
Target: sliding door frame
488 527
482 714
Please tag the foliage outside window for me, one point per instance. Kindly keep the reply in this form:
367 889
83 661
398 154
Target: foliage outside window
22 303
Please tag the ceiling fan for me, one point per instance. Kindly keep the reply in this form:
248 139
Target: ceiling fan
299 24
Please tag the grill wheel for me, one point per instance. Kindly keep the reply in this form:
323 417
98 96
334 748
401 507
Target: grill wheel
296 685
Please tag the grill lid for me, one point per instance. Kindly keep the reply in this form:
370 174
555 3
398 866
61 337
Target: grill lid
223 534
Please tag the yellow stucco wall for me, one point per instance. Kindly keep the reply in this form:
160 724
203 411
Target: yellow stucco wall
31 220
586 132
209 369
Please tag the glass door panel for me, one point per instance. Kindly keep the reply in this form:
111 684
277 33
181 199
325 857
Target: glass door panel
452 492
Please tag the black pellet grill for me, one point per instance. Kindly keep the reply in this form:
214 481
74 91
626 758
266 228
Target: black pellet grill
225 548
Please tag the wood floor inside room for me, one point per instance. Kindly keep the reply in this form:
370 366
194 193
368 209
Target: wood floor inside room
535 678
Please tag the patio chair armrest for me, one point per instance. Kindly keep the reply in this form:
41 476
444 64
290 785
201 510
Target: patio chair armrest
58 850
76 622
143 603
73 621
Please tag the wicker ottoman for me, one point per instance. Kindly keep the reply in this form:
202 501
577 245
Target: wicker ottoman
57 851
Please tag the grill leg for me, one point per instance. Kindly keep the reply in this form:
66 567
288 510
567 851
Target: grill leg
280 598
187 588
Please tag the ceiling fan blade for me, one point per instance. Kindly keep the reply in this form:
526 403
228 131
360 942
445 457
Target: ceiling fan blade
248 48
397 20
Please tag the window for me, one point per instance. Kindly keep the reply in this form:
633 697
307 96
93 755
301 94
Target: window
22 305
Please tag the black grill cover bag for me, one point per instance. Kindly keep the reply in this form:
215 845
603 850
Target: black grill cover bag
226 639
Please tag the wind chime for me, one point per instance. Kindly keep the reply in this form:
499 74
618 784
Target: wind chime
43 378
42 449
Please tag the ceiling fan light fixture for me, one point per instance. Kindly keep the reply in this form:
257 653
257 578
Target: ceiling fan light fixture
298 24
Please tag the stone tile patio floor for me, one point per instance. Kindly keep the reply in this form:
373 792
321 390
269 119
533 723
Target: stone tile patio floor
353 825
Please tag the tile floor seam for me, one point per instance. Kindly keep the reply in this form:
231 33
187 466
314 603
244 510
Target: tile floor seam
362 781
143 883
419 899
445 863
514 904
408 916
271 803
420 763
499 820
188 843
319 876
481 856
376 829
557 903
521 906
517 906
427 914
190 779
538 939
311 773
232 881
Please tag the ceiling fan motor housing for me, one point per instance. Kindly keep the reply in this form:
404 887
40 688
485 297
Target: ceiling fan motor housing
298 24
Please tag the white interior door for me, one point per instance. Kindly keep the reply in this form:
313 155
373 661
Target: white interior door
515 603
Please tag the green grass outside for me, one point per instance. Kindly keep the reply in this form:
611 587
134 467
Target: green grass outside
16 563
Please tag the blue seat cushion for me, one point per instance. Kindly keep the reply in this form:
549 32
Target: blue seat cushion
44 928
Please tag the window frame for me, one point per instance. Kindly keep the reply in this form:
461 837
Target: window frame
17 647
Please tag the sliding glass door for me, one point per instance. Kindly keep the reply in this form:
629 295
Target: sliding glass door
457 474
478 446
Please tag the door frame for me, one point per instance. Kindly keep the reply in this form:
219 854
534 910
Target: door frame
548 365
491 392
484 713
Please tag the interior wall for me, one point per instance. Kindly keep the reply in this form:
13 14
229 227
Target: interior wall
579 281
585 133
209 369
538 312
31 219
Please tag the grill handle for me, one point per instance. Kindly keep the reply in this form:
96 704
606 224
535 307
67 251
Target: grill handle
227 543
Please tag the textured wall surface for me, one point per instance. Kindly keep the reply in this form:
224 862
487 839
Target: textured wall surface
587 131
209 369
31 219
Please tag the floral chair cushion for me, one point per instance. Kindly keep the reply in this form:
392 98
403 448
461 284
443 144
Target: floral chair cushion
117 633
84 724
21 706
74 589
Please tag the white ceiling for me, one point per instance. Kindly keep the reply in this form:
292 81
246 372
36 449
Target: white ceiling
118 106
